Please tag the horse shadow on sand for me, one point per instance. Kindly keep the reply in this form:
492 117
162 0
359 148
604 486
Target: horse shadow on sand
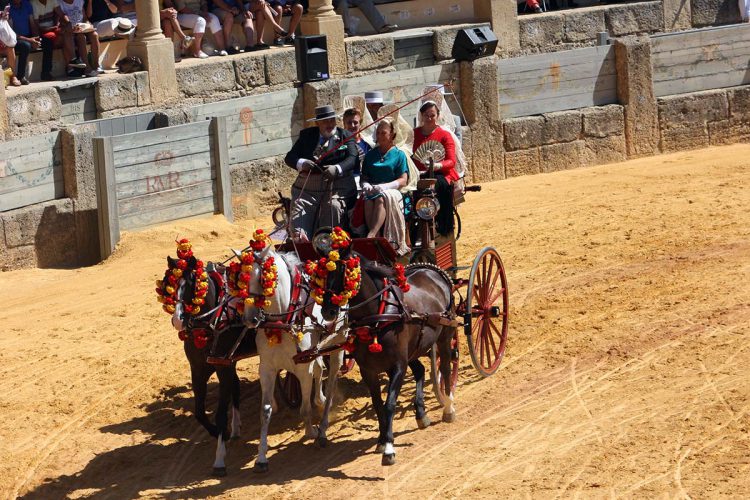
175 458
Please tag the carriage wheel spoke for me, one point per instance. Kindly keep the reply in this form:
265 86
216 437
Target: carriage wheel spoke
488 352
491 341
493 284
499 338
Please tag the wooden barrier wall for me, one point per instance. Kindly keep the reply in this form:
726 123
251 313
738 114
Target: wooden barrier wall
257 126
161 175
556 81
698 60
31 171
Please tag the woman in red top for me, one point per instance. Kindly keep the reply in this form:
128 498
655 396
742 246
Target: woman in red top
445 171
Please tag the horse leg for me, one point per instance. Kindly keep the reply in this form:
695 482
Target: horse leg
225 375
417 369
373 384
444 349
333 375
236 420
267 383
396 377
320 397
305 375
199 375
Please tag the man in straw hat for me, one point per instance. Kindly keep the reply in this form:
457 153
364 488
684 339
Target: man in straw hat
325 157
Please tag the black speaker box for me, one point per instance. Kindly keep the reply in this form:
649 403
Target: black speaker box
472 43
311 53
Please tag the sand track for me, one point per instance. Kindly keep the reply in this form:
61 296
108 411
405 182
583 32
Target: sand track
626 370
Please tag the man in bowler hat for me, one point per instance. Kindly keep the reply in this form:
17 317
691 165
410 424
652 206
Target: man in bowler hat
324 156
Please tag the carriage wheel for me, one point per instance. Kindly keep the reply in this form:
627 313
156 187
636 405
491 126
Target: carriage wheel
289 389
486 318
437 386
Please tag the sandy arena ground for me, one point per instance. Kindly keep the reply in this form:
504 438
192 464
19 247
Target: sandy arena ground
627 370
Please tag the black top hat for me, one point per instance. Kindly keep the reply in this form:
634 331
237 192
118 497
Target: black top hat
323 113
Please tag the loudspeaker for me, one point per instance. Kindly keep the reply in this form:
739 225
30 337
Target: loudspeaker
311 53
472 43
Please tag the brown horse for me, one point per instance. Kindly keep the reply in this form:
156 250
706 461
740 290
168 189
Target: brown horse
405 326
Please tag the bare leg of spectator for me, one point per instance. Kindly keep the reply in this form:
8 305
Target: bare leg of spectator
228 25
214 25
94 41
81 46
297 10
249 29
10 53
260 27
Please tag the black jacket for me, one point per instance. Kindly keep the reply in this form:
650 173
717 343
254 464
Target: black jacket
346 156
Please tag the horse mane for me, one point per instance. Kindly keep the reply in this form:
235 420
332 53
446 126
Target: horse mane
411 268
374 267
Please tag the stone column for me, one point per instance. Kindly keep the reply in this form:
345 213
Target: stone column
677 15
635 91
3 113
156 52
503 17
480 100
321 19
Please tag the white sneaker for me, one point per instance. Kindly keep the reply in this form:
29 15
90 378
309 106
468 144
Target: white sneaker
220 53
100 70
201 55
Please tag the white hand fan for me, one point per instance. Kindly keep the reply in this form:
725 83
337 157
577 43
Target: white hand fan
430 150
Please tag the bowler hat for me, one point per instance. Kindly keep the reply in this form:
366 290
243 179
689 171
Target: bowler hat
323 113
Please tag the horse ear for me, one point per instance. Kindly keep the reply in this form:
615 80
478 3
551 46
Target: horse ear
191 262
171 262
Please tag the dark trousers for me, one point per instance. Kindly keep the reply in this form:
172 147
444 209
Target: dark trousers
22 51
47 47
444 192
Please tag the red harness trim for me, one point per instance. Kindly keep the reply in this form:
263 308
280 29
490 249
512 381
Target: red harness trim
296 291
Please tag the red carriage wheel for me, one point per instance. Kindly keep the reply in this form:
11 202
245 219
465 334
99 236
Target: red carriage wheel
437 386
486 318
289 389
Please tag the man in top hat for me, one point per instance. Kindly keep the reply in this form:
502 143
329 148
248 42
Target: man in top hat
325 156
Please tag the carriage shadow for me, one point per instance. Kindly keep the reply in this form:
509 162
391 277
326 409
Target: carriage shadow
175 459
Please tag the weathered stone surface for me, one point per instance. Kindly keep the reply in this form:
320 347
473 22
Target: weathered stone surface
280 67
320 94
142 88
369 53
603 121
17 257
684 138
478 83
714 12
693 109
601 150
582 26
78 164
642 17
36 106
561 156
524 162
541 30
503 18
561 126
3 113
483 149
721 133
523 133
443 38
209 77
158 58
739 102
250 70
677 15
636 92
115 92
255 185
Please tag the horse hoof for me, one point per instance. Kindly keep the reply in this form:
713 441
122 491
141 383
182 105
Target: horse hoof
321 441
449 417
260 467
380 448
424 422
220 471
388 459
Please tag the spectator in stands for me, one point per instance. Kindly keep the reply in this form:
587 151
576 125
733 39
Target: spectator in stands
529 6
20 15
126 8
46 25
293 8
102 14
73 16
374 101
197 22
170 25
368 9
229 12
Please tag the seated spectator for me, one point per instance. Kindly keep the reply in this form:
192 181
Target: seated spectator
229 12
374 101
197 22
262 12
170 25
293 8
72 16
126 8
529 6
374 17
46 25
103 15
384 173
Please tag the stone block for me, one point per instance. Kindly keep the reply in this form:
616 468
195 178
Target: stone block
714 12
41 105
561 126
524 162
541 30
17 257
693 109
255 185
443 38
479 96
721 133
601 150
642 17
503 18
739 102
483 149
78 165
603 121
142 88
523 133
115 92
281 67
582 26
677 15
563 156
319 94
3 113
365 54
684 138
210 77
250 70
635 91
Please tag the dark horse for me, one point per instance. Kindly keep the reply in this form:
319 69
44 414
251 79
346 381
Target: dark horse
200 333
405 326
